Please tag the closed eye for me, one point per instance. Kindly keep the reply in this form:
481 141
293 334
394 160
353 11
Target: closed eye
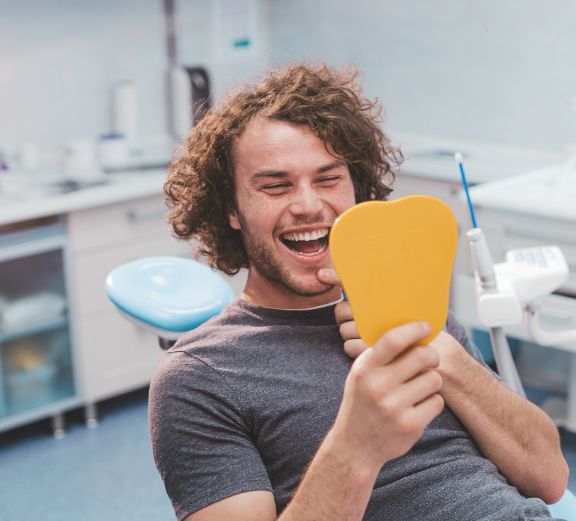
329 180
276 188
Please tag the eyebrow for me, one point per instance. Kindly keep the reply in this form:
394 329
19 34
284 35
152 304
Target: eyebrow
281 174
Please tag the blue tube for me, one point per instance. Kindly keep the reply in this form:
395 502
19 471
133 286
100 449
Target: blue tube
458 158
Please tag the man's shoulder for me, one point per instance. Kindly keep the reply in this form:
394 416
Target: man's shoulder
196 355
213 330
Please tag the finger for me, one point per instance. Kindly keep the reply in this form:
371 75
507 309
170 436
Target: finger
397 340
414 391
414 361
425 411
348 330
355 347
405 367
343 312
328 276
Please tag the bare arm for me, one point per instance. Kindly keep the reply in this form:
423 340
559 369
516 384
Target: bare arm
517 436
511 431
390 397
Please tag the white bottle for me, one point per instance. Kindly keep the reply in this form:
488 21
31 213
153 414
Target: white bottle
125 119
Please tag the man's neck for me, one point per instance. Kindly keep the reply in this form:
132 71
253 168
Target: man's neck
272 295
244 297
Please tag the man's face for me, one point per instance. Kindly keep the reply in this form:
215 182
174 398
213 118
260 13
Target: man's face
289 191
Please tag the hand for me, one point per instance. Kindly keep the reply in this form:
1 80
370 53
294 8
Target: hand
390 397
353 344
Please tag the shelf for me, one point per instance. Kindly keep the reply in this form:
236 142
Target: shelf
35 329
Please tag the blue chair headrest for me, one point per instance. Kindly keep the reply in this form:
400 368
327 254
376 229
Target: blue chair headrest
169 293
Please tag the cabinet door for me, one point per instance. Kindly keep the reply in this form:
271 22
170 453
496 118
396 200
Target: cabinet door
90 269
113 355
35 349
116 356
94 228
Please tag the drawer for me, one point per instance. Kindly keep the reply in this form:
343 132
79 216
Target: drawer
113 356
93 228
90 269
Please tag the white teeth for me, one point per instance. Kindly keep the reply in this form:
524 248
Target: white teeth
306 236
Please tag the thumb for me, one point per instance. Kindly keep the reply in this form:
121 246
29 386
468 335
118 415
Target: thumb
328 276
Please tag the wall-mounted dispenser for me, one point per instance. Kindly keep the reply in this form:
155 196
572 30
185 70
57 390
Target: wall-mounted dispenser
189 97
188 86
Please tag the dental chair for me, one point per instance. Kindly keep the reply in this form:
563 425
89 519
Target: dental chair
167 296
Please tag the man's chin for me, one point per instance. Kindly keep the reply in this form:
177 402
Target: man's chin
310 290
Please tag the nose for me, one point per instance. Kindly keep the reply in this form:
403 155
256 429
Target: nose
306 202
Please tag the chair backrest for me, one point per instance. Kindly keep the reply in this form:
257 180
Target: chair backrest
167 295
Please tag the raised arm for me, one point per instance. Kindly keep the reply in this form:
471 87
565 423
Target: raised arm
517 436
390 397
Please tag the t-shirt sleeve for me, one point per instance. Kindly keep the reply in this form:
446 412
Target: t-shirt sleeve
457 330
201 443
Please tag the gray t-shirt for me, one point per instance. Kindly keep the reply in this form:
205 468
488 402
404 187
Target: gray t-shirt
243 402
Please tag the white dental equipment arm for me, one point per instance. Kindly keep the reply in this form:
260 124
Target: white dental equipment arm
495 308
512 290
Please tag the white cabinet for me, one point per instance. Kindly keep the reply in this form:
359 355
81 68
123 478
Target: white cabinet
113 356
37 378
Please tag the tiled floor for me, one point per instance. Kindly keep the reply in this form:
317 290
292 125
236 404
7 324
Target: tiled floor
105 474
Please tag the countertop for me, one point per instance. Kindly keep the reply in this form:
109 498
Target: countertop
427 157
547 192
433 157
115 188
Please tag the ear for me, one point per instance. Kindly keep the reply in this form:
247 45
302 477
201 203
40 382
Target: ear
233 220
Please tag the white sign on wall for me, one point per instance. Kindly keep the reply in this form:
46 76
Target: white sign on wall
235 29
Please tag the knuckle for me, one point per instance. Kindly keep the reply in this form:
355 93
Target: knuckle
438 403
426 356
421 354
359 371
343 312
390 407
346 330
391 341
436 379
407 425
354 348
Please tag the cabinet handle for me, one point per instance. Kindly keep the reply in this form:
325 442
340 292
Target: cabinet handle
137 217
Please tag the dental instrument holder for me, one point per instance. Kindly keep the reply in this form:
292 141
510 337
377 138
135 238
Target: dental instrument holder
513 290
489 298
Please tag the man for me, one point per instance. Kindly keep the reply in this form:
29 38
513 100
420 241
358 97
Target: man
261 413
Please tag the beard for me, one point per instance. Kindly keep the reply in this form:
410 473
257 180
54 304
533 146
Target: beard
265 260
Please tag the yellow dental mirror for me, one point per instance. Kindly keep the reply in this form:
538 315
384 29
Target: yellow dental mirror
395 259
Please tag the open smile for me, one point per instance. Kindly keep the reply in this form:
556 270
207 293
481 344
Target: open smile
306 243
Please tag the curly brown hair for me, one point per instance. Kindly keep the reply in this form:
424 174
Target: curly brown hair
200 187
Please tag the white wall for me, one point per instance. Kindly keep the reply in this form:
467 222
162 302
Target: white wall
60 58
500 71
